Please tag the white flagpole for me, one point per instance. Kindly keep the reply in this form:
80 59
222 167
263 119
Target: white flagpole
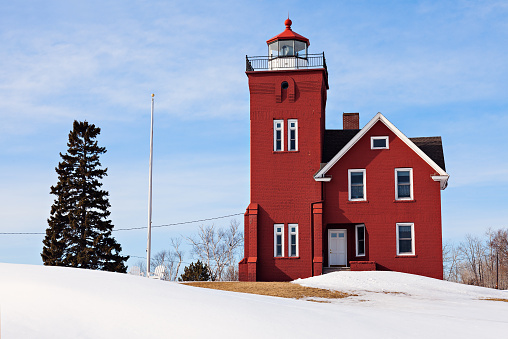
149 244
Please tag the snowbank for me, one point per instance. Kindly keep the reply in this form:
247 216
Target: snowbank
396 282
56 302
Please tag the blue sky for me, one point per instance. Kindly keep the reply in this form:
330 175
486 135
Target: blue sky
431 67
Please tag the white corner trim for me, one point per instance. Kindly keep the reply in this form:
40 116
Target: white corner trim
325 179
443 179
363 131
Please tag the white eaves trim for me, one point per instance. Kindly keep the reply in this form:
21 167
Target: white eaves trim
441 176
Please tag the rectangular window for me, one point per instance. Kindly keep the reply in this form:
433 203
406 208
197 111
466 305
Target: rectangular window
360 240
357 190
292 135
405 239
293 240
404 184
278 135
278 240
379 142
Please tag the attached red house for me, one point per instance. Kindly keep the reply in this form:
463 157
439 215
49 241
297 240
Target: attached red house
364 198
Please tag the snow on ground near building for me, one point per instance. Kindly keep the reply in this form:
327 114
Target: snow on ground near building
57 302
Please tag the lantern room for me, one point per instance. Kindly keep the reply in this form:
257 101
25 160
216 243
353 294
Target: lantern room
288 44
288 50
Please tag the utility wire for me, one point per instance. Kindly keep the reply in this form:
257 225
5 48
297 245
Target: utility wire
134 228
175 224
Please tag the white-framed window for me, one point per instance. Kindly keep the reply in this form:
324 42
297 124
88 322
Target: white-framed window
278 135
292 135
379 143
278 240
403 184
293 240
360 240
357 184
405 239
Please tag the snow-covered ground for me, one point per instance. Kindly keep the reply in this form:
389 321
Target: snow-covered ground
56 302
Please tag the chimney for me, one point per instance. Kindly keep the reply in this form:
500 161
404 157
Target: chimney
351 121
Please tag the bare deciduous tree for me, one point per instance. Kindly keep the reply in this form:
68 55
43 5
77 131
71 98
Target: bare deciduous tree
171 259
478 261
219 248
451 262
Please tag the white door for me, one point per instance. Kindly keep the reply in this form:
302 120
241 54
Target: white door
337 248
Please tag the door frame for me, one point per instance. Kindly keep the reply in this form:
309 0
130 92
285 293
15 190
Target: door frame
328 243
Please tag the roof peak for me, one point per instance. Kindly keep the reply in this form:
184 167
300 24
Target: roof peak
288 23
289 34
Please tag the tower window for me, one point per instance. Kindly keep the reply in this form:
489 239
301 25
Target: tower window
278 240
293 240
292 135
278 135
284 85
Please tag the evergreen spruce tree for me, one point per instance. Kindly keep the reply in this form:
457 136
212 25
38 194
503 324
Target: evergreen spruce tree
79 232
195 272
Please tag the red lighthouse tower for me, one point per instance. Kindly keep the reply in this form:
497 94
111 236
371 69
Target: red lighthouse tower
287 115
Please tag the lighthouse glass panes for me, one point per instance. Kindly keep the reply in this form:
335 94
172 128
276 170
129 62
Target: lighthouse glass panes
287 48
278 135
292 135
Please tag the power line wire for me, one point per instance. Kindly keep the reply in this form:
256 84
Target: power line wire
178 223
134 228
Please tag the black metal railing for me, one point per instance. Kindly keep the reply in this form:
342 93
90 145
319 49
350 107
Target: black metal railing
266 63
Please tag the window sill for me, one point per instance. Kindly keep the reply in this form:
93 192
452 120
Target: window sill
404 200
357 202
279 258
406 256
284 152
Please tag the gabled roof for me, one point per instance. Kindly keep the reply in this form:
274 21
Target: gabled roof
338 142
336 139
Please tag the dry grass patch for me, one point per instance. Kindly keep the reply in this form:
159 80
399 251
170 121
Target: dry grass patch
274 289
496 299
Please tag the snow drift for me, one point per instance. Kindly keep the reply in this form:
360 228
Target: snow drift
56 302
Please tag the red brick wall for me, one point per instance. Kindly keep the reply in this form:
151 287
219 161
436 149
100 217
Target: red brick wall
363 265
282 183
381 212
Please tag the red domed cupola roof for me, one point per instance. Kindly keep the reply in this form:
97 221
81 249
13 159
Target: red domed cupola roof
288 34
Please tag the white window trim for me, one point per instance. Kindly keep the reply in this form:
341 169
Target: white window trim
364 184
379 138
412 238
275 129
356 240
410 183
289 240
296 134
275 233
